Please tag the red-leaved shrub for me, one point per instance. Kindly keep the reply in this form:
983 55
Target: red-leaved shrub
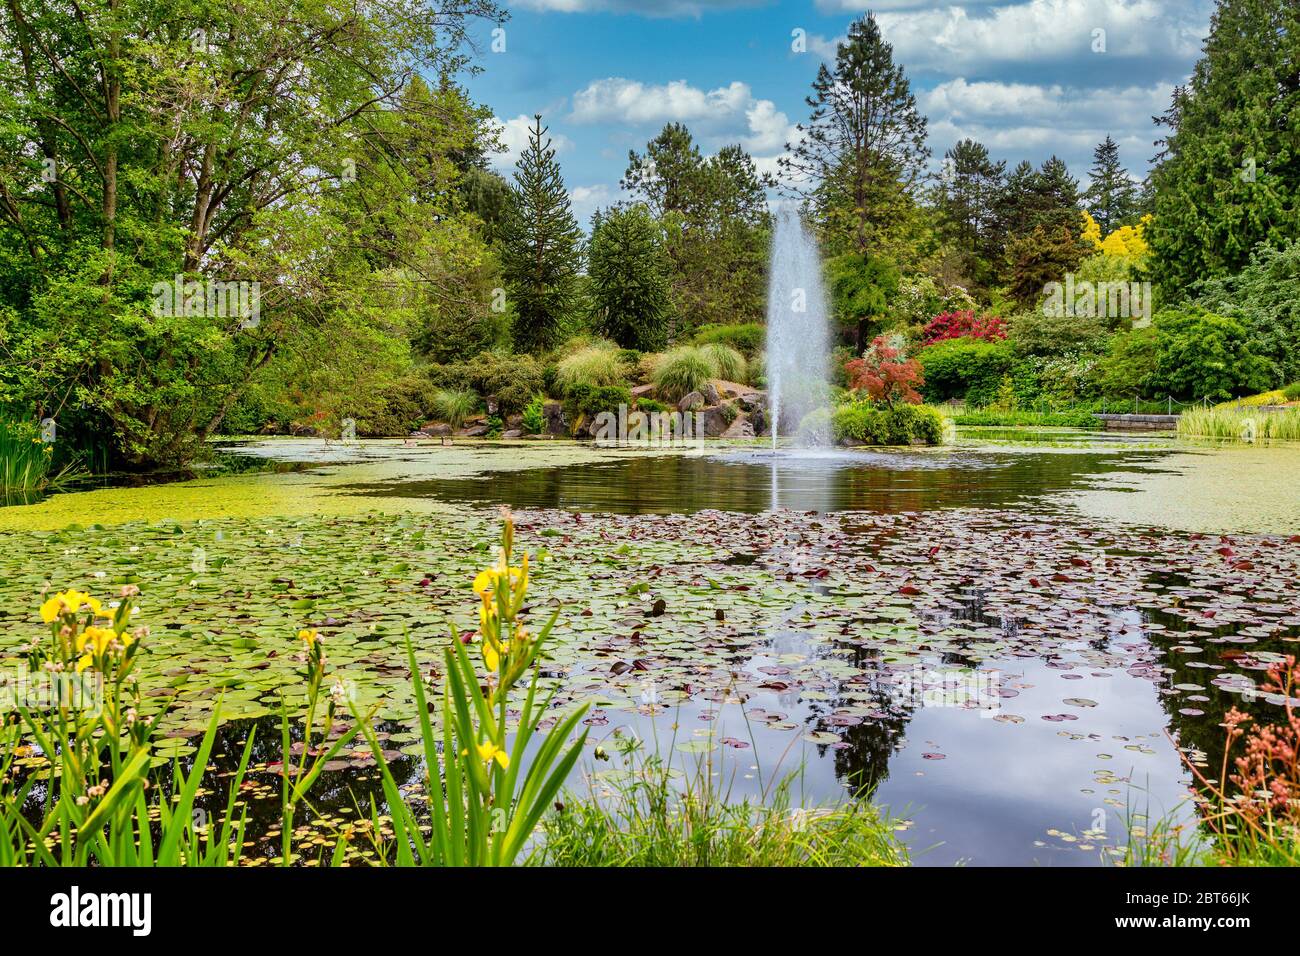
964 325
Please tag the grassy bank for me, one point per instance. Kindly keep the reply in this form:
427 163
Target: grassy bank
1243 424
1016 418
646 813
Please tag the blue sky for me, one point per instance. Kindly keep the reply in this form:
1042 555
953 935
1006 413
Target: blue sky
1028 79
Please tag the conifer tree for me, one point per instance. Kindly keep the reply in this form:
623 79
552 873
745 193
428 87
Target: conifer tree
1229 177
541 251
629 281
863 148
1111 198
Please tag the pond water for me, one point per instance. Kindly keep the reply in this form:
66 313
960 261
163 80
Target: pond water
1003 639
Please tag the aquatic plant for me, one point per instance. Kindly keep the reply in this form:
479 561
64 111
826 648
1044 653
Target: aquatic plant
454 406
1234 424
650 814
27 462
488 798
87 746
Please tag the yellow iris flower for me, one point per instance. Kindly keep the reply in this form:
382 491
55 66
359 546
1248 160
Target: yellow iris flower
69 602
490 751
485 582
309 635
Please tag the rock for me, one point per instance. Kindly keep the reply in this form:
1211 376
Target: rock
752 401
717 419
493 406
690 402
475 431
758 418
742 427
710 393
436 430
515 421
642 391
556 423
512 433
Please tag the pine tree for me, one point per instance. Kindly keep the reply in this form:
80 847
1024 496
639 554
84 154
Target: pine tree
541 251
966 202
863 148
628 279
1230 176
715 219
1112 196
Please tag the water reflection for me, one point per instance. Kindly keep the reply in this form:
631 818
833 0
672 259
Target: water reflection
752 481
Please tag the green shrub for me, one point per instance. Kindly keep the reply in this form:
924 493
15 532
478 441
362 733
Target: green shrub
512 378
682 371
405 407
1203 355
550 380
726 362
593 365
594 399
644 404
901 425
1020 417
535 416
964 368
1292 392
453 406
746 337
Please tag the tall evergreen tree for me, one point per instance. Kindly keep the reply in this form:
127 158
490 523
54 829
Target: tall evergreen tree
715 220
863 149
629 279
1112 195
541 251
1230 175
966 201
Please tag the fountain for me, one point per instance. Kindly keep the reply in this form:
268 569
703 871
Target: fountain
798 336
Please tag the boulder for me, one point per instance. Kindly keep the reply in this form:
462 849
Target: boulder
475 431
515 421
710 393
717 419
436 430
643 391
691 402
742 427
493 406
556 423
512 433
752 401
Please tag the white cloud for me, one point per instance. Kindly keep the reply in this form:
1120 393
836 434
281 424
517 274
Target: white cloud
969 37
951 40
727 114
587 199
514 137
648 8
1026 119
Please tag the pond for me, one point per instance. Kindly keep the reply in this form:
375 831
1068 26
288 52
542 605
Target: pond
998 638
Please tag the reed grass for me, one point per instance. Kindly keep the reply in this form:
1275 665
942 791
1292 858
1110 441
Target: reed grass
1232 424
